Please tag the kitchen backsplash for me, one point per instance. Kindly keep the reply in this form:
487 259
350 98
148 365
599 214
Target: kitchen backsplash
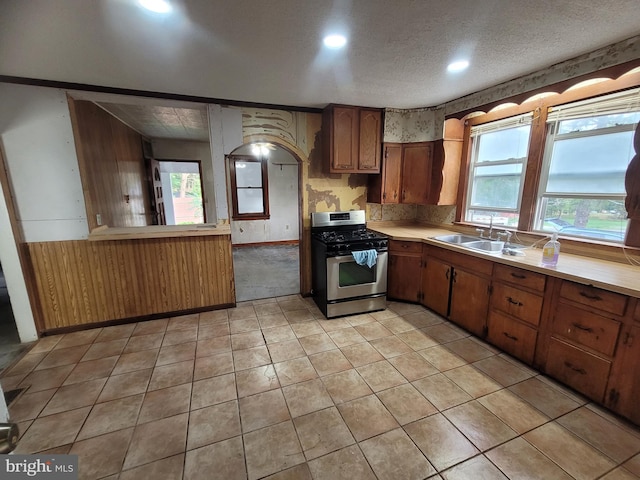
433 214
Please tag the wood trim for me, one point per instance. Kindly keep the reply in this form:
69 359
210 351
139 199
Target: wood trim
464 173
83 87
234 188
18 235
533 170
84 283
619 81
143 318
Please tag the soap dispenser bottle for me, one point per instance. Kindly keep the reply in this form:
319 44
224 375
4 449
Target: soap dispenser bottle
551 252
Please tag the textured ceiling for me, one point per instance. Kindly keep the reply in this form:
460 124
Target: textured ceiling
270 51
163 122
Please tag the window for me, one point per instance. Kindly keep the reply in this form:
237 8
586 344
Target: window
588 148
498 158
249 188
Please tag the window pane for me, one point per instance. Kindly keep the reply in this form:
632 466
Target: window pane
590 164
509 144
496 186
595 123
250 200
248 174
582 217
506 219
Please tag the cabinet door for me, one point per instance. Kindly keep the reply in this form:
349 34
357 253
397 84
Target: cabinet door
416 173
625 391
469 301
512 336
436 280
404 277
392 168
369 148
345 139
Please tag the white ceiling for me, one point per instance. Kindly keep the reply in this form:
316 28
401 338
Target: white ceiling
269 51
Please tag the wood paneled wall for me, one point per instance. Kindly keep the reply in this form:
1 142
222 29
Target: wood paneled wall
83 282
112 167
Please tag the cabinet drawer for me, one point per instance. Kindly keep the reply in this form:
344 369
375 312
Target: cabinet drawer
594 297
517 303
400 246
581 370
512 336
586 328
467 262
522 278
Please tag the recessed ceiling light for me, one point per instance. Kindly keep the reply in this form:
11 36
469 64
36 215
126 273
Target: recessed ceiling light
458 66
335 41
157 6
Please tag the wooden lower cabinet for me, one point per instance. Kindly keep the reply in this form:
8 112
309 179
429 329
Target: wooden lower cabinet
452 288
514 337
581 370
585 337
404 271
623 393
469 301
436 285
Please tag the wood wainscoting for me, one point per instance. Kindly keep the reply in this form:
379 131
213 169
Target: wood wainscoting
82 282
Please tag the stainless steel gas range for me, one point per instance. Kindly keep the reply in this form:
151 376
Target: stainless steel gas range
349 264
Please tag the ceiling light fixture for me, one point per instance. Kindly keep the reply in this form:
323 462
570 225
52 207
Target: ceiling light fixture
156 6
458 66
335 41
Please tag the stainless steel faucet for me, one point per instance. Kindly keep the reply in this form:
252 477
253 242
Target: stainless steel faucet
491 226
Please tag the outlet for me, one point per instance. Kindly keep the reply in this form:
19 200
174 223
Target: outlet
98 219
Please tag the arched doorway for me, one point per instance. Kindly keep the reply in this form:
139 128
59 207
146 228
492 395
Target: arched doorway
264 208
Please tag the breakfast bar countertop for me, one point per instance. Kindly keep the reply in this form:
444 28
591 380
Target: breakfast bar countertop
158 231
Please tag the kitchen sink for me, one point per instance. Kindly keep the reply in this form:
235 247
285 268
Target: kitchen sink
489 246
493 247
458 239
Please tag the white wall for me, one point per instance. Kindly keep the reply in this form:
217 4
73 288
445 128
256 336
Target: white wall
36 133
225 134
283 205
189 150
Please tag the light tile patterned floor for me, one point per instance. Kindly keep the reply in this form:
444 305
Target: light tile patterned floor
271 389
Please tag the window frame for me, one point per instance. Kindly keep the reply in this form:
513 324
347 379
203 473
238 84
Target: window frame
264 215
594 109
491 127
537 145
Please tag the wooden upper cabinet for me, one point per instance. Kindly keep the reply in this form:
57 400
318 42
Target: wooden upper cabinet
352 137
406 174
416 172
370 133
385 188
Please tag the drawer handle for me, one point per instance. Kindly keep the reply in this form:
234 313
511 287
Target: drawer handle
510 337
581 371
447 273
581 327
590 296
514 302
518 275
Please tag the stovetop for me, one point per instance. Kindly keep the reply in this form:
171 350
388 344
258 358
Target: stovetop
341 236
343 242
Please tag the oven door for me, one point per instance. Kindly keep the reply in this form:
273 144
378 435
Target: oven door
347 279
